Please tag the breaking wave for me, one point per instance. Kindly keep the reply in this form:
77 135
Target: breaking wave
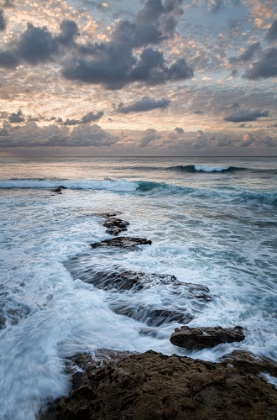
202 168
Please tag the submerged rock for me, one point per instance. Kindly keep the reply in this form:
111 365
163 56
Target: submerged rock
150 315
123 242
154 386
200 338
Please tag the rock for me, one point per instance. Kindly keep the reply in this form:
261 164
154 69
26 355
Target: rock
151 316
154 386
123 242
200 338
115 225
59 189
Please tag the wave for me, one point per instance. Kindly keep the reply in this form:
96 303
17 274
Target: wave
202 168
110 185
123 186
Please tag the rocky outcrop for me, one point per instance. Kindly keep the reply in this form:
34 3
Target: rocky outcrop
200 338
125 242
115 225
154 386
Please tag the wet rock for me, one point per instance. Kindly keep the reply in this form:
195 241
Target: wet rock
121 280
154 386
200 338
59 189
154 317
122 242
115 225
11 311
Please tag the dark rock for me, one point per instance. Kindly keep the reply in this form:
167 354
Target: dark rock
154 386
154 317
123 242
115 225
59 189
120 279
200 338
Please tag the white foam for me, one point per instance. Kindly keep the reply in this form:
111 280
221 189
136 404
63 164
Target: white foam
210 168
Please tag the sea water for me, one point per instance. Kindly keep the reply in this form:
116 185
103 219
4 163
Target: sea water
212 222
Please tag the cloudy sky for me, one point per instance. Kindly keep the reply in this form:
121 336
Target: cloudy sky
149 77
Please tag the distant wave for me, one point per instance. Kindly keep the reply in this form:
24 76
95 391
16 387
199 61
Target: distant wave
202 168
110 185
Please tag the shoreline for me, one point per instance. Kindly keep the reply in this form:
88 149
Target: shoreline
155 386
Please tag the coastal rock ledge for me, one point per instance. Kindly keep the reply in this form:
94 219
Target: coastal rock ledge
154 386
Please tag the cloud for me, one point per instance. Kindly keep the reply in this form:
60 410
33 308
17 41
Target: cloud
3 132
270 142
215 5
271 34
198 111
91 135
246 115
89 117
201 140
247 54
143 105
150 135
179 130
16 117
2 21
37 45
225 142
30 135
114 64
265 68
247 140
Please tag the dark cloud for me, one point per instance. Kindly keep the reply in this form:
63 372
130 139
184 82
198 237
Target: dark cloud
144 104
265 68
150 135
198 111
246 115
271 34
69 32
179 130
16 117
114 64
234 73
8 59
2 21
37 45
89 117
247 54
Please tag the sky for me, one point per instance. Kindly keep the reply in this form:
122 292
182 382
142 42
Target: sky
138 78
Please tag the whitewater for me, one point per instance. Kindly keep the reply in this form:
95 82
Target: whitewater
212 222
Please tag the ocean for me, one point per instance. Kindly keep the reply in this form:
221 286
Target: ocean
212 223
